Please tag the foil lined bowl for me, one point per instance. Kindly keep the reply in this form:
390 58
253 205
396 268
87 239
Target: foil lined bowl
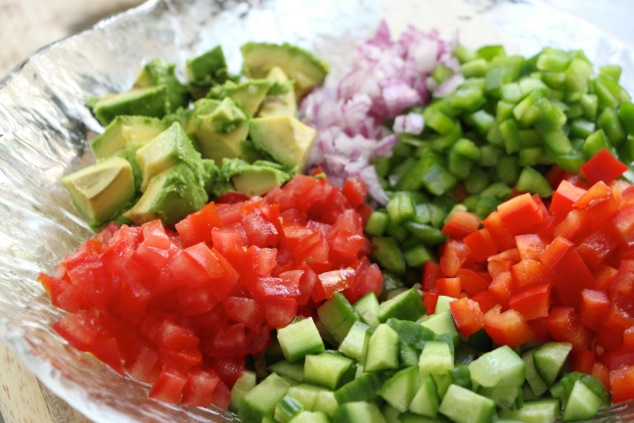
45 127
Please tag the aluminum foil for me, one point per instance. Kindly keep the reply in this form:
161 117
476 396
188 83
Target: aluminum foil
45 129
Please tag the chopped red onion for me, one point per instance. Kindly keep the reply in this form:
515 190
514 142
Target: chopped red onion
386 78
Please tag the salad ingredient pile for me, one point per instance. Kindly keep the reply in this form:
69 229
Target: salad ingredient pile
459 249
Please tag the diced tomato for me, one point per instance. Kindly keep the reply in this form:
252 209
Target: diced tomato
628 339
330 282
228 238
63 294
467 316
228 368
143 362
601 372
176 337
622 384
355 191
221 397
199 387
507 328
244 310
603 166
196 227
169 385
82 329
461 223
261 232
280 311
230 341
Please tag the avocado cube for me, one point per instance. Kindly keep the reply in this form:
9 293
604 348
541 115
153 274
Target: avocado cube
169 148
284 138
159 72
125 130
171 195
210 65
248 95
257 178
301 66
208 123
149 101
101 191
281 104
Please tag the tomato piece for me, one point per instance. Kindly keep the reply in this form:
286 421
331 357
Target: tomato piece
82 329
196 227
461 223
63 294
261 232
244 310
307 283
143 362
622 384
481 244
507 328
109 353
199 387
280 311
603 166
210 322
156 249
345 245
228 238
355 190
564 197
533 302
564 326
520 213
332 281
473 282
169 385
269 286
467 315
221 397
450 287
593 308
176 337
312 249
230 341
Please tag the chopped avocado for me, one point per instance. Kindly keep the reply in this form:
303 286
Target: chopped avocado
216 182
278 104
227 116
301 66
285 138
206 123
254 179
149 101
181 116
100 191
248 95
169 148
171 195
124 130
206 70
159 72
129 153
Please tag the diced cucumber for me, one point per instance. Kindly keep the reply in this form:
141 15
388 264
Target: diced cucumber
550 358
287 408
244 384
368 308
262 399
436 357
305 394
300 338
504 396
502 366
328 369
464 406
390 413
535 381
294 371
442 323
310 417
461 376
406 306
355 344
426 400
382 351
595 385
326 403
443 382
442 304
359 412
364 388
411 333
582 403
337 316
541 411
416 418
399 390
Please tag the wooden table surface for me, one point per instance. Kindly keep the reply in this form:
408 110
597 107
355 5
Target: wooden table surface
25 26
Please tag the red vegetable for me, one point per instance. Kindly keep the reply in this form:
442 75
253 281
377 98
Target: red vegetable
181 309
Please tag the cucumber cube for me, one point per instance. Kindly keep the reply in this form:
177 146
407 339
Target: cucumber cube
501 366
359 411
546 411
442 323
382 352
328 369
368 308
337 316
299 339
310 417
535 381
294 371
407 305
287 408
355 344
364 388
550 358
326 403
426 400
435 358
464 406
262 399
306 394
244 384
582 403
399 390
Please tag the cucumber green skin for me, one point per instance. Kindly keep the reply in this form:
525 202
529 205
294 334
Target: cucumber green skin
405 306
359 412
464 406
501 366
550 358
299 339
338 316
582 404
399 390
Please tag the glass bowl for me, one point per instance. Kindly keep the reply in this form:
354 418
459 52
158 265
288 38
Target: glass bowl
45 125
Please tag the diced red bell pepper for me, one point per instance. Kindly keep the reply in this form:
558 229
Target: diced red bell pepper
520 213
507 328
532 302
564 326
603 166
450 287
622 384
564 197
461 223
467 315
481 244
